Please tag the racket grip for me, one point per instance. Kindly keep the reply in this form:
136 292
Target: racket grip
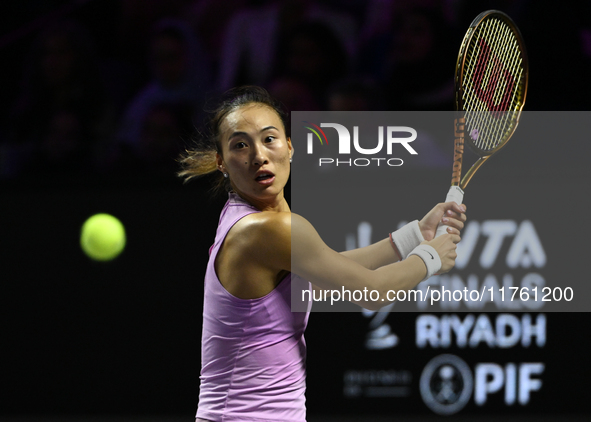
455 194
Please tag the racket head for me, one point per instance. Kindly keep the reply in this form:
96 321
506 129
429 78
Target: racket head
491 81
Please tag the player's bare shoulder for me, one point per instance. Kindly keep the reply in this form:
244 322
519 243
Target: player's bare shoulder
263 236
263 225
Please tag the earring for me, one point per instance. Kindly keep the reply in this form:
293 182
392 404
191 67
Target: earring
290 159
226 175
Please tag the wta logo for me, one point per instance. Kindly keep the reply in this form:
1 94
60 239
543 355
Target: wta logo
388 136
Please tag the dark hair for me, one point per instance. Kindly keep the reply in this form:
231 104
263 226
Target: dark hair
201 158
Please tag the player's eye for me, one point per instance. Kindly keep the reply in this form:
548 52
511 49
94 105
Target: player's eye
269 138
239 145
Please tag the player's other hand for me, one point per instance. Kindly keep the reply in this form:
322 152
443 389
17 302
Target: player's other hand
448 213
445 245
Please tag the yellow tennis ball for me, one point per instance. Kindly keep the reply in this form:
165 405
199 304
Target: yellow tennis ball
102 237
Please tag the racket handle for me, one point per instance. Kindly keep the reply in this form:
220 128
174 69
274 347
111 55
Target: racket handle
455 194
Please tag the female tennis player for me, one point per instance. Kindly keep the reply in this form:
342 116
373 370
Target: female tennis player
253 347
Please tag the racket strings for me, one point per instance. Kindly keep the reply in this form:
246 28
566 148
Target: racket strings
498 100
495 85
497 42
492 84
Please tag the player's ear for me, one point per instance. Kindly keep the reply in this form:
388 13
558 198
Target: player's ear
219 162
291 149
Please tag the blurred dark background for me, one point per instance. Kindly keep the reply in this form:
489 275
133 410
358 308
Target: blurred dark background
112 90
98 99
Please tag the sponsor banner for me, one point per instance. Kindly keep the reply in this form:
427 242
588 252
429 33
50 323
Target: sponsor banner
449 363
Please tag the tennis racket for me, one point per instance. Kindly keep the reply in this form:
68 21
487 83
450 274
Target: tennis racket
490 89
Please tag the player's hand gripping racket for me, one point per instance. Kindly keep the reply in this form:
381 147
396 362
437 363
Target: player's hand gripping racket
490 87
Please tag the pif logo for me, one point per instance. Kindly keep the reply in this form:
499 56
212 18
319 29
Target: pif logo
447 383
388 136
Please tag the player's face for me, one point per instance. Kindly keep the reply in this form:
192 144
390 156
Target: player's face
255 154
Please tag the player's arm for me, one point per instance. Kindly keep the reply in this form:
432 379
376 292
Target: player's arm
387 251
313 260
256 254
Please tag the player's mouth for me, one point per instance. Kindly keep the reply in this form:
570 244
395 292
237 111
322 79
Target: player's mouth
264 177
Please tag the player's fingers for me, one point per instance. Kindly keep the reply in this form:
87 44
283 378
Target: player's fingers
458 215
453 222
453 230
455 238
460 209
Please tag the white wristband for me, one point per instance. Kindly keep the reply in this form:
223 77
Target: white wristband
407 238
430 257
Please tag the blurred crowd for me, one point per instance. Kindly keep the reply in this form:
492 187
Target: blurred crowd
114 90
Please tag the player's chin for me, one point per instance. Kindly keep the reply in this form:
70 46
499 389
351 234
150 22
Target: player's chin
276 184
265 192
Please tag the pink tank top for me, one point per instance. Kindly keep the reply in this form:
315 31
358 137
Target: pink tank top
253 351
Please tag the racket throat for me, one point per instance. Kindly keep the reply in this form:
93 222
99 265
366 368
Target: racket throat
471 172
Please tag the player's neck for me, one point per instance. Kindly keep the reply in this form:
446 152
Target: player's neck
273 204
